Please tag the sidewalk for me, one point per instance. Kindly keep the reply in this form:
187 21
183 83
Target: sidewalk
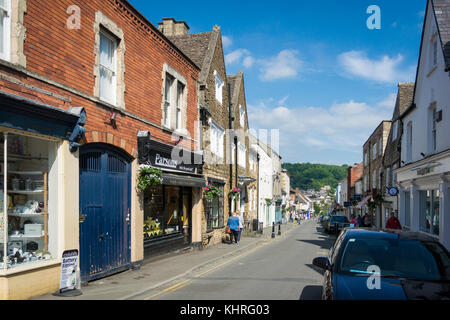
158 273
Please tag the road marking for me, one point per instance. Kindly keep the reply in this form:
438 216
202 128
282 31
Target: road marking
182 284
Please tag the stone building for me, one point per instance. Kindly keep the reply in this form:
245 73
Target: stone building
373 152
206 50
392 154
244 169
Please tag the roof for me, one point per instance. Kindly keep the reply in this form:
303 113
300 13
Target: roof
405 96
235 82
195 46
442 13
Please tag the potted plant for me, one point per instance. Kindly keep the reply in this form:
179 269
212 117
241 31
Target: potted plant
211 191
234 193
148 177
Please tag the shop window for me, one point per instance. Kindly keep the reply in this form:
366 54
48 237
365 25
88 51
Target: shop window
166 212
28 204
214 212
429 211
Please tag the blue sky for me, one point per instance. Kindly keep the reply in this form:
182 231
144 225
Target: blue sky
312 69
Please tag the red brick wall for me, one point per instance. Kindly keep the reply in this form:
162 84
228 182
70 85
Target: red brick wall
68 57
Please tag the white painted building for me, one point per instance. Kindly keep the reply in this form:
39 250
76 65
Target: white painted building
424 175
265 186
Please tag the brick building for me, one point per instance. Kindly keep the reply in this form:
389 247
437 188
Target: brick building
107 58
206 50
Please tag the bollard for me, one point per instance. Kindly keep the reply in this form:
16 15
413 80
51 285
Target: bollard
273 229
279 229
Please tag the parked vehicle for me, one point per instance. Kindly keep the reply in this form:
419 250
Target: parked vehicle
336 223
385 265
324 221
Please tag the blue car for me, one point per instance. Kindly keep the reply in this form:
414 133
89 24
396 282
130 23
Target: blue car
367 264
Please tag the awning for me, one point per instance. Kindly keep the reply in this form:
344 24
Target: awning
183 181
17 112
363 202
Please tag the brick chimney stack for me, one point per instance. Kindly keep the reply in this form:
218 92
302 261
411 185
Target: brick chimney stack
170 27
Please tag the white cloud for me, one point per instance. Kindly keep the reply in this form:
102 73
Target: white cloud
389 102
236 56
248 62
340 127
227 41
285 65
385 69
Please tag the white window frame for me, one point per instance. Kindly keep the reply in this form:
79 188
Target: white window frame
394 131
409 141
374 151
241 116
433 50
374 179
113 69
242 151
5 15
180 103
169 82
219 86
217 136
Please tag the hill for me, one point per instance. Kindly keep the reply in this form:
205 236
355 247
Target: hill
314 176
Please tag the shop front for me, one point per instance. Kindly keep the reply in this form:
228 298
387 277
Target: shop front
171 210
39 188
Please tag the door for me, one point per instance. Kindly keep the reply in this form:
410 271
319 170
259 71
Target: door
105 188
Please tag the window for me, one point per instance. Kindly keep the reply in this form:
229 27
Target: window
394 175
108 65
217 136
365 158
5 21
434 51
214 210
5 26
374 179
219 87
429 211
432 132
409 141
242 116
407 206
374 151
380 147
394 130
233 152
241 155
180 96
388 177
167 99
31 200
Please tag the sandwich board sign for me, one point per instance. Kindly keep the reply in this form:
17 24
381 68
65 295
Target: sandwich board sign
68 281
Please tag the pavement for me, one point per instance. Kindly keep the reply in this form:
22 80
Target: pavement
162 272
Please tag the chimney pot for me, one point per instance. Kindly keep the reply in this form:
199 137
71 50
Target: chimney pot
171 27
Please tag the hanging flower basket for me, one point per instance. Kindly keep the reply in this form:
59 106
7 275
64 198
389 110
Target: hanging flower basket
211 191
148 177
234 193
269 201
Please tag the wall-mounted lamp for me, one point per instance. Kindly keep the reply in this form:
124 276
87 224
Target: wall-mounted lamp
112 120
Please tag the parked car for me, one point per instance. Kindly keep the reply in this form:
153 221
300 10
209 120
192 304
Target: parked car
372 264
336 223
324 220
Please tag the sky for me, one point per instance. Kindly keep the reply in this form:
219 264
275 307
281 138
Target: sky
313 70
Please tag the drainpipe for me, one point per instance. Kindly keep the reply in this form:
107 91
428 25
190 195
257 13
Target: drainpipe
230 126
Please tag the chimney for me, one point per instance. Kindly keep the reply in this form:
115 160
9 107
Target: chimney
170 27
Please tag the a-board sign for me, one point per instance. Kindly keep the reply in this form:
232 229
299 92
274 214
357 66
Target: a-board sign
68 270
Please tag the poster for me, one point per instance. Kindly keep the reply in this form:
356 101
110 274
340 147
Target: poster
68 270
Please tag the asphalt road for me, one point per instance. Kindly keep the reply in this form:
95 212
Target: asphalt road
279 270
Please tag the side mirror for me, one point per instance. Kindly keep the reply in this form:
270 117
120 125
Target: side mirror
322 262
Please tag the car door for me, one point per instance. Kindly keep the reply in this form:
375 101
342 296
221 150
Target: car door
329 289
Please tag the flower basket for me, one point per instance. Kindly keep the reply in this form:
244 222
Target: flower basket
234 193
148 177
269 201
211 192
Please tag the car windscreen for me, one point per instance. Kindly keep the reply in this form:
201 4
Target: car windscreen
339 219
411 259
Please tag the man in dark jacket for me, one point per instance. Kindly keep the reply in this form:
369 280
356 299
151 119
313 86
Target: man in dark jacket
393 222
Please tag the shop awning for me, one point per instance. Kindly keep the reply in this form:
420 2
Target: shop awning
17 112
183 180
363 202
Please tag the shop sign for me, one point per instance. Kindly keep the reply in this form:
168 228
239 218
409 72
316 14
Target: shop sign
68 270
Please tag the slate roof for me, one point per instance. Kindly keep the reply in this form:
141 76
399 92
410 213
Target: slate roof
195 45
405 97
442 13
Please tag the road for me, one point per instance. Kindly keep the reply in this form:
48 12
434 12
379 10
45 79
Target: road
279 270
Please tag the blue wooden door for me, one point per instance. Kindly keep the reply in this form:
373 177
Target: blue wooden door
105 189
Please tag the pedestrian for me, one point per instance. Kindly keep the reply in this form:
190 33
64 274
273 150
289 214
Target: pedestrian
233 224
360 222
393 222
366 221
353 221
241 225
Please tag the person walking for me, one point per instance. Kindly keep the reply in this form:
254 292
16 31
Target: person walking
241 225
393 222
354 221
233 224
